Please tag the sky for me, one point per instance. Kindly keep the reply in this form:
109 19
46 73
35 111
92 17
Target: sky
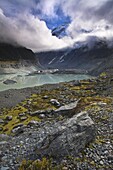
29 23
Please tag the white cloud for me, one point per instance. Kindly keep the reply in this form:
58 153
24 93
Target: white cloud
28 31
48 7
92 16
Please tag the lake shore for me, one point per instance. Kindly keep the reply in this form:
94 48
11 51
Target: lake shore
10 98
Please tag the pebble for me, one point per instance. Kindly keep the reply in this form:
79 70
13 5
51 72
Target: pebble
45 97
1 121
9 118
33 122
1 128
22 114
65 168
38 112
54 102
41 116
19 125
101 163
23 118
110 157
17 130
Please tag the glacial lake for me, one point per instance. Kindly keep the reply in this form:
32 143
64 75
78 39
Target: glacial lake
24 81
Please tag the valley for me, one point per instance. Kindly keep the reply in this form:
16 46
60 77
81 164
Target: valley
56 85
56 109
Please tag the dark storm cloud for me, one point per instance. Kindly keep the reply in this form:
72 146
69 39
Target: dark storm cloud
106 11
90 15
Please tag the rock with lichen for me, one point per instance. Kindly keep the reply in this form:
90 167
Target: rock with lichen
66 137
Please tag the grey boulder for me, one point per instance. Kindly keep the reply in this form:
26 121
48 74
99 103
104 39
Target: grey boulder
69 108
8 82
66 138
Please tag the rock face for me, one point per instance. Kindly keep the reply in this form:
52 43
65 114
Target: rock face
57 140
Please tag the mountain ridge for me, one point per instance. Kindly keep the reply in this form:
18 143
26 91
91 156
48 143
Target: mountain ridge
94 59
14 58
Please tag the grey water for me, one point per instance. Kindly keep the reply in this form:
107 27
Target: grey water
24 81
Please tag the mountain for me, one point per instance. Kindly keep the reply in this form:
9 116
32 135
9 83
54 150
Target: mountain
13 58
60 31
94 59
10 52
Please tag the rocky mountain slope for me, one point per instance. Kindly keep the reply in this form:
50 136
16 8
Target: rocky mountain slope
94 59
13 58
60 31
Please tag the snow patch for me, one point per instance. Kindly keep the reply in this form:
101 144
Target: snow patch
51 61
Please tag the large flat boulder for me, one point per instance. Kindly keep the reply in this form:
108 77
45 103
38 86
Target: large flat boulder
69 108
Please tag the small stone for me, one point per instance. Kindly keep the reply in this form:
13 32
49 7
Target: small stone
23 118
110 157
6 96
8 118
22 114
29 102
41 116
65 168
3 143
38 112
54 102
45 97
101 163
18 130
102 104
19 125
1 121
21 142
1 128
33 122
76 83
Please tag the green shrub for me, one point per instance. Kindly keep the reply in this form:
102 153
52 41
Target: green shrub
43 164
